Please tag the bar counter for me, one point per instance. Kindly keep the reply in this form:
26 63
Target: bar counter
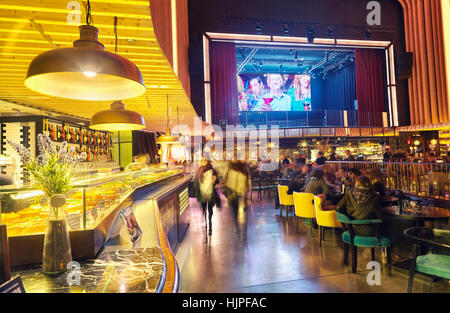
121 263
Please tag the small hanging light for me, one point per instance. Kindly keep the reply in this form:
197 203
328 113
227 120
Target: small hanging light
117 119
86 71
167 138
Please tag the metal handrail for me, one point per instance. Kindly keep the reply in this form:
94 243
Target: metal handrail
430 180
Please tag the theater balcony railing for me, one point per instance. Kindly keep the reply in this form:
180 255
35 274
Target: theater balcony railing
428 180
314 118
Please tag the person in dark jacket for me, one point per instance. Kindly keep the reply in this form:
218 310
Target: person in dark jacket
285 161
361 203
316 184
321 159
298 181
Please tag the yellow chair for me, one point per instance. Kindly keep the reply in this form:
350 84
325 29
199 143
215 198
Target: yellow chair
304 206
324 218
285 199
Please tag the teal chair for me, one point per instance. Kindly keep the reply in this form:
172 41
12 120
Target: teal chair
353 241
434 264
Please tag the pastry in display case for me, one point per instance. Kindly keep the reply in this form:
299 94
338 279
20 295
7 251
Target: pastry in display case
25 210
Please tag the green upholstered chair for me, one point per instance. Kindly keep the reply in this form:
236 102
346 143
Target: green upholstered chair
434 264
353 241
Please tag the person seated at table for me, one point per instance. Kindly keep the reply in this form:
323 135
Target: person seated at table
353 174
316 184
341 174
361 203
290 170
378 181
298 181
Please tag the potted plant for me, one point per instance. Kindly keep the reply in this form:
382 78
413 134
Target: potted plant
52 172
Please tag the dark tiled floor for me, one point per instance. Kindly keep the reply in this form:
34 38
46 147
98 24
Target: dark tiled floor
263 253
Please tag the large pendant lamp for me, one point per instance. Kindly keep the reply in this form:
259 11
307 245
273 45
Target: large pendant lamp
167 138
117 118
85 72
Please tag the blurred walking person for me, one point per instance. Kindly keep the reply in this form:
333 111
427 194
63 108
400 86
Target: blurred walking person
236 187
205 187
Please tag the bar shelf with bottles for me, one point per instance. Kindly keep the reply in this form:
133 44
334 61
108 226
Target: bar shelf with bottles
97 144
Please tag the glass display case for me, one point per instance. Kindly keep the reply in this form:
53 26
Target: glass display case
25 210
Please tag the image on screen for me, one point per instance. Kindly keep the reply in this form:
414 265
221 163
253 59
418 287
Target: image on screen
274 92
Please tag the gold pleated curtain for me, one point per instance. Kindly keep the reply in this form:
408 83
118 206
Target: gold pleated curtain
428 94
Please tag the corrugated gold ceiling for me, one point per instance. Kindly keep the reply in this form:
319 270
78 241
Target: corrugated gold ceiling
28 28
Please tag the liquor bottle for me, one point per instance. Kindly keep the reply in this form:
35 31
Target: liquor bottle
63 133
52 132
45 125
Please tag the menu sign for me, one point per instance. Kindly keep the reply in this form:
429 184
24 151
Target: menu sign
129 220
13 286
74 221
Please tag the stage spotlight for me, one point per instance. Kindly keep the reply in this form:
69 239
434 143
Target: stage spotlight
286 29
258 28
341 67
310 34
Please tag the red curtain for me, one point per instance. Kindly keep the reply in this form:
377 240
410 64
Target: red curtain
369 86
224 95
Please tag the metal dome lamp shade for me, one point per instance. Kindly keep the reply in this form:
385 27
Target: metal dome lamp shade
85 72
167 138
117 119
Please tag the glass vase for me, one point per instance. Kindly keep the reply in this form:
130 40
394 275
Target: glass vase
57 251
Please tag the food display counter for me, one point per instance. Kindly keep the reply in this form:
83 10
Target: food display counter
90 209
126 263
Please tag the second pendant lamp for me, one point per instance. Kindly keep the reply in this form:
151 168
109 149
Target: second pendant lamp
167 138
117 119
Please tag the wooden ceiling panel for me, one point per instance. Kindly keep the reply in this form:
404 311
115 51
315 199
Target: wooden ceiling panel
28 28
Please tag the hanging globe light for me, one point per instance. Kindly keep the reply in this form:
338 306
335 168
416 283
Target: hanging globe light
85 72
